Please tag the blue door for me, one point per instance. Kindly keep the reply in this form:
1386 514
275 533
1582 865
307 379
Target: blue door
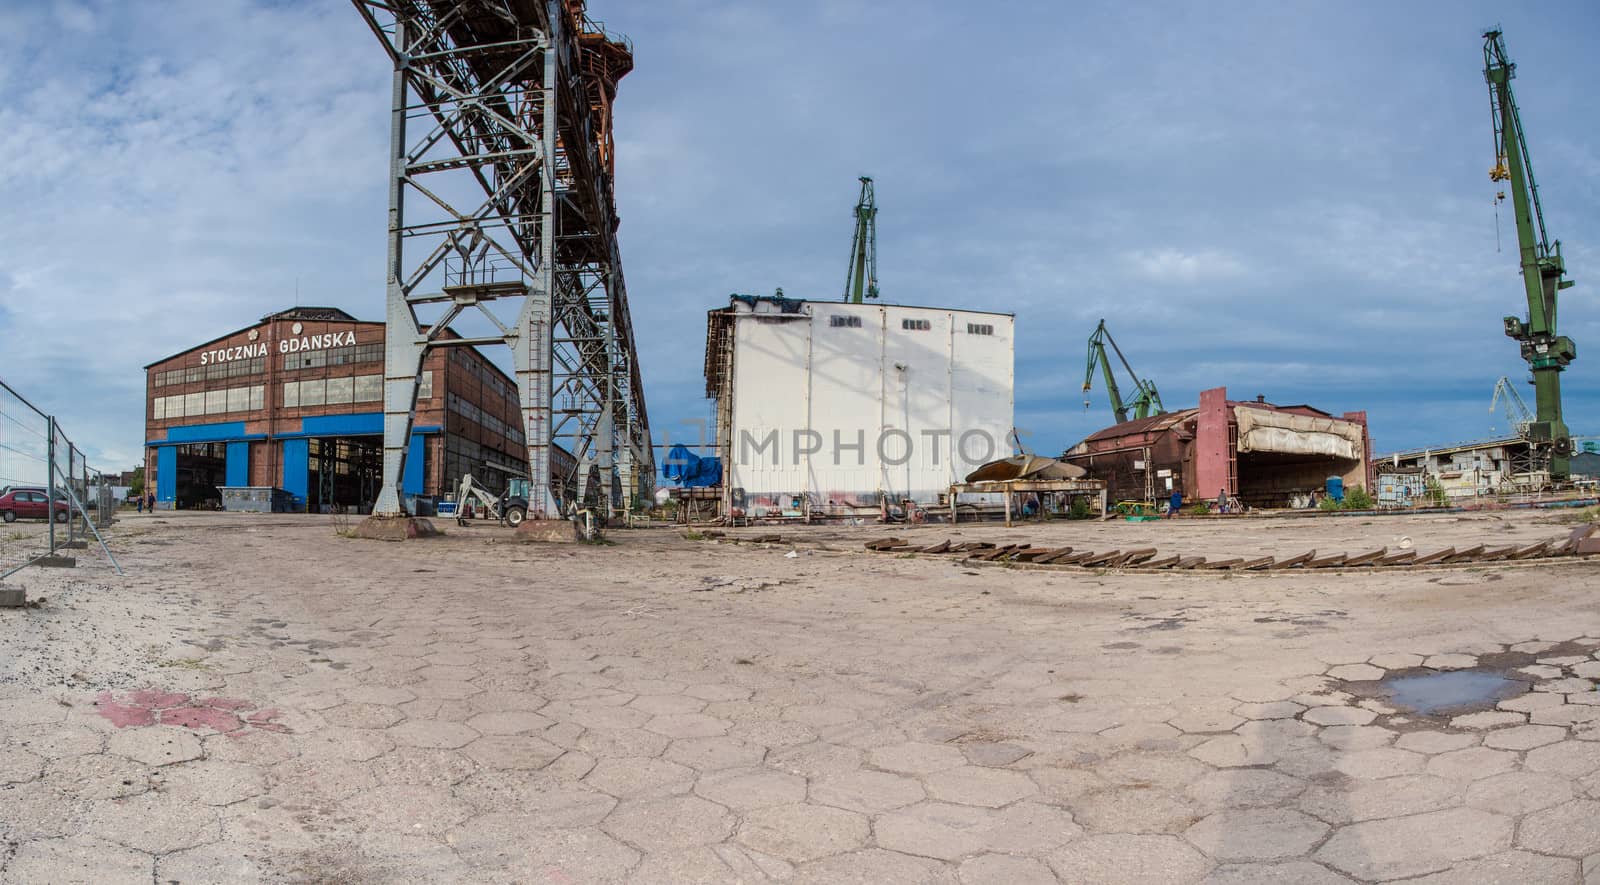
166 475
238 464
297 467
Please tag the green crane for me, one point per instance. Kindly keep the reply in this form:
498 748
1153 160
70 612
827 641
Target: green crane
862 281
1543 270
1145 403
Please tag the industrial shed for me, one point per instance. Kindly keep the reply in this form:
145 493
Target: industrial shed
830 409
1265 455
1505 465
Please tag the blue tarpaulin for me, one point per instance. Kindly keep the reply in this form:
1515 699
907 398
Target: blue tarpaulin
687 469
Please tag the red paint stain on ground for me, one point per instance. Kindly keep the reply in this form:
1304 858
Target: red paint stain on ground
149 705
123 715
156 699
201 717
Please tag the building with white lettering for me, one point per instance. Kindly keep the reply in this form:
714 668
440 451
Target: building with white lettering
295 402
835 409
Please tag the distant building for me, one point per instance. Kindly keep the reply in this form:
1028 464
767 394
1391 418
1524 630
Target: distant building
118 494
295 402
829 408
1263 454
1471 469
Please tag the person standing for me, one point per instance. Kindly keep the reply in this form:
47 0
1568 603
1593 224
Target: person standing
150 501
1175 503
139 502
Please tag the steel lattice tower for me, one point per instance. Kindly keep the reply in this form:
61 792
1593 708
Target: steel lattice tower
500 198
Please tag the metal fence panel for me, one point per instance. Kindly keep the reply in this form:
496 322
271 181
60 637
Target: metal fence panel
38 459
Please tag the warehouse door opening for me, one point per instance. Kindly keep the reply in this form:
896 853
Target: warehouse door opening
345 474
201 468
1274 479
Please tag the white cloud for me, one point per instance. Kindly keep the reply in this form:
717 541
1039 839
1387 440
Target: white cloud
1179 266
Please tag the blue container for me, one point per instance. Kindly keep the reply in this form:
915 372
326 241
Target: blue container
1336 488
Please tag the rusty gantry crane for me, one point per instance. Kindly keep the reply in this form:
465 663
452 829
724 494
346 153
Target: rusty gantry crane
1543 270
500 199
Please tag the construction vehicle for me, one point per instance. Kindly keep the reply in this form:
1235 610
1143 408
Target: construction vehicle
1145 403
862 280
510 507
1543 270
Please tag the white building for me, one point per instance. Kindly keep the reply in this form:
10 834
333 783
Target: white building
828 408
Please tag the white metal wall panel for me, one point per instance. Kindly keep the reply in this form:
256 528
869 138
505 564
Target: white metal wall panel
845 402
982 389
916 383
770 381
878 381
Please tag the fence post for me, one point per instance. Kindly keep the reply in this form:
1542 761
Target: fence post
72 480
50 480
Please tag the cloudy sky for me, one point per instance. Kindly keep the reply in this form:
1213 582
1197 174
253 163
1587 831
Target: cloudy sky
1285 198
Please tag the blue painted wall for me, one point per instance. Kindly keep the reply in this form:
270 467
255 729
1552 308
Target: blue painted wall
208 432
238 464
358 424
166 473
296 479
411 482
296 466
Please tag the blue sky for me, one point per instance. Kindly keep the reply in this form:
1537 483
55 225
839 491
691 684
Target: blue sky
1288 199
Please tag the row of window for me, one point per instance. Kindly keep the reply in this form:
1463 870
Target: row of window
319 392
478 416
491 379
213 372
349 355
340 391
332 391
854 322
209 402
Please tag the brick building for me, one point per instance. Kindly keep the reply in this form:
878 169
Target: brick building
1266 455
295 402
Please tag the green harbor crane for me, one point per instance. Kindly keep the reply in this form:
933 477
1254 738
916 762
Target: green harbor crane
862 281
1518 416
1145 403
1543 271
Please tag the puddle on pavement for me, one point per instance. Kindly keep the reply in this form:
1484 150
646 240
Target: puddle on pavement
1451 690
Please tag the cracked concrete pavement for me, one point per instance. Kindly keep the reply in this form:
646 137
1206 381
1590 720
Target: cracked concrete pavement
263 700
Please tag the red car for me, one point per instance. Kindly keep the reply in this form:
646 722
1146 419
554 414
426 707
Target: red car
29 503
